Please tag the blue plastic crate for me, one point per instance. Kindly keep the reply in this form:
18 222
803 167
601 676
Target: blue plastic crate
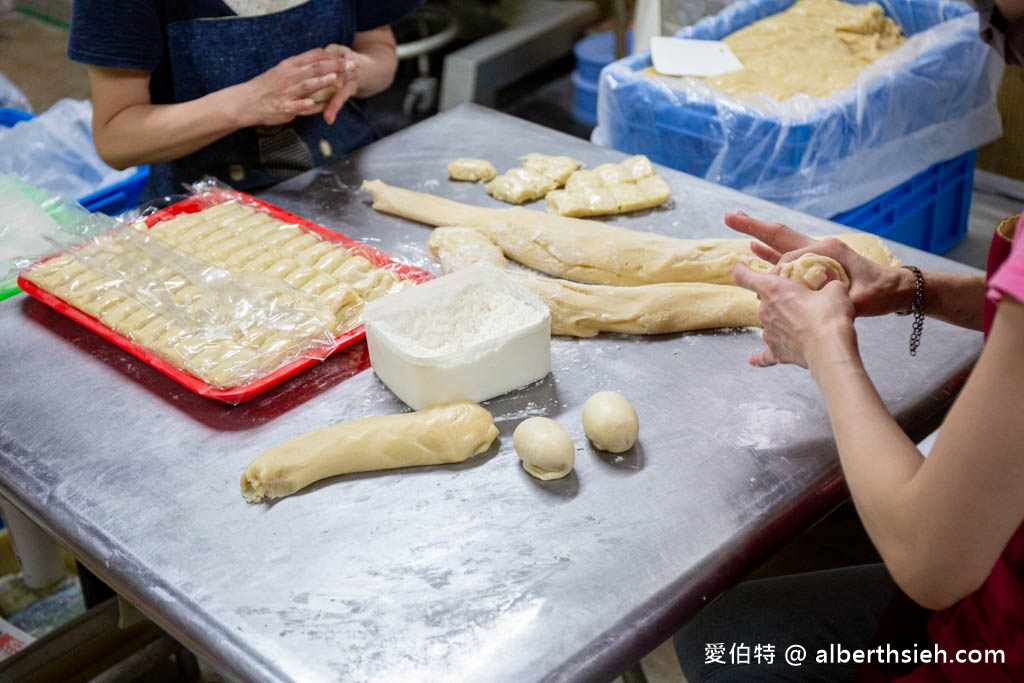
110 200
929 211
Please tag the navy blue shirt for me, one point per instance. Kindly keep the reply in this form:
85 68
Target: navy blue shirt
194 47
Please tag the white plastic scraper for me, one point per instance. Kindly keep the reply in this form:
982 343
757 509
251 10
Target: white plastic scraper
689 57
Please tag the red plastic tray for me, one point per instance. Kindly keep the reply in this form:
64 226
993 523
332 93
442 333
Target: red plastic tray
242 393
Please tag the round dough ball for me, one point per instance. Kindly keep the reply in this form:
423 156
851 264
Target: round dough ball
323 94
812 271
545 448
610 422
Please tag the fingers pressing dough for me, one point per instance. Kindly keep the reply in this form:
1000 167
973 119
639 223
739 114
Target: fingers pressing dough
812 271
545 448
444 433
610 422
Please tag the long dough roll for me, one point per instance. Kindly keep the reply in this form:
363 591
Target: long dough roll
589 251
582 310
444 433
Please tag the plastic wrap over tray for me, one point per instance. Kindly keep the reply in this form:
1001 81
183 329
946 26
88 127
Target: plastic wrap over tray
931 99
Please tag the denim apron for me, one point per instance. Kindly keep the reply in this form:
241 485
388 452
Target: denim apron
210 54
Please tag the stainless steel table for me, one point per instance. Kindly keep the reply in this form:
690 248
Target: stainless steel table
467 572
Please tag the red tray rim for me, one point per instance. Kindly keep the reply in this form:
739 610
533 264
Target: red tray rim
244 392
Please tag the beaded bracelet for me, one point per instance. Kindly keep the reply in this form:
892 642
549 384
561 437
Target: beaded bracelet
916 309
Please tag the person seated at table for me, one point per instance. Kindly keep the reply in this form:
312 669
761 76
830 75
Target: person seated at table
249 91
949 527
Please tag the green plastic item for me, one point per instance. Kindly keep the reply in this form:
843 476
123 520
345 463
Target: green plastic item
70 218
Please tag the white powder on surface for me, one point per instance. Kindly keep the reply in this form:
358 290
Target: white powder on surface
465 317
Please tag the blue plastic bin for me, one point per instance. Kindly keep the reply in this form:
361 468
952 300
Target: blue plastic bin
929 211
111 200
592 54
750 150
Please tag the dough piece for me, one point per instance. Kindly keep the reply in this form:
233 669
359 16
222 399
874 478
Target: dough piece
322 95
581 310
459 248
545 448
538 175
812 271
610 422
589 251
631 185
444 433
471 170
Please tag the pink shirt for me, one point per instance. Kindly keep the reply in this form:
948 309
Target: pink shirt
993 616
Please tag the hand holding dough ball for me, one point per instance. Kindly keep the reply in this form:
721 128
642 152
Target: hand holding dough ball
322 95
471 170
812 271
545 448
610 422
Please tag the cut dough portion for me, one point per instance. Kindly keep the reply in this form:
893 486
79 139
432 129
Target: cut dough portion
592 252
538 175
610 422
812 271
471 170
631 185
582 310
545 448
444 433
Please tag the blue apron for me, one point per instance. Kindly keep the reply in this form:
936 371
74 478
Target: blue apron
210 54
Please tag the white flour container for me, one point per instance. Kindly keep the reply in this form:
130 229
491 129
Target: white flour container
474 334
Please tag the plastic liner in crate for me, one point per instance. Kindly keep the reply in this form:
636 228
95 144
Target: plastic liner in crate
930 100
113 199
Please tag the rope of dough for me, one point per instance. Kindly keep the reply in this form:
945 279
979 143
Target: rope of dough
590 251
582 310
444 433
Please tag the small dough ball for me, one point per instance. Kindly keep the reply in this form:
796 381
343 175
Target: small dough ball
471 170
610 422
812 270
322 95
545 448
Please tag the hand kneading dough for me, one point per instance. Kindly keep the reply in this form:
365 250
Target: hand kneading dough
610 422
471 170
811 271
545 448
444 433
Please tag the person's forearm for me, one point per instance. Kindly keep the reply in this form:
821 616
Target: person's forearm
378 63
152 133
956 298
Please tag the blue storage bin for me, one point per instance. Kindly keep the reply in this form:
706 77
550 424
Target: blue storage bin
592 53
929 211
111 200
859 148
584 101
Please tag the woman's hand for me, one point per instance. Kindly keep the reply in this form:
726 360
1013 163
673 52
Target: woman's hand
348 80
290 89
874 289
801 326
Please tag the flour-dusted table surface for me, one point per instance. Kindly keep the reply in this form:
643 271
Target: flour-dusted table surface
468 572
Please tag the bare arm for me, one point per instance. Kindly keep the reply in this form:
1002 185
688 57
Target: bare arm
129 130
941 523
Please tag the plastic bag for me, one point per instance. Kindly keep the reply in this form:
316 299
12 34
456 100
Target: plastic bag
55 151
10 96
932 99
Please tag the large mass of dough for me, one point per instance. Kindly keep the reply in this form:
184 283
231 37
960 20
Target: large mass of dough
815 47
444 433
610 422
582 310
545 448
589 251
